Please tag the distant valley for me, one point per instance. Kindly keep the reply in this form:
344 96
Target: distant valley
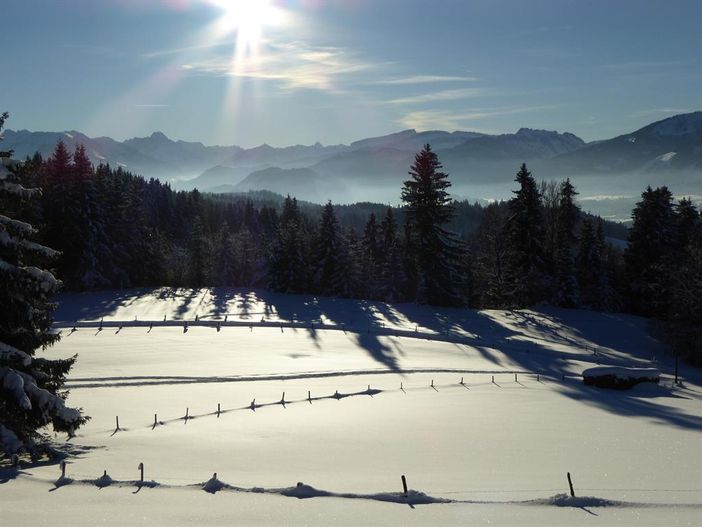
609 174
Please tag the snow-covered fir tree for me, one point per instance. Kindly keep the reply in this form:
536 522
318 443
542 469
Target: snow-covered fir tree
438 254
31 395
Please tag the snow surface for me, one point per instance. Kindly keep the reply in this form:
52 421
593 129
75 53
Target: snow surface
477 444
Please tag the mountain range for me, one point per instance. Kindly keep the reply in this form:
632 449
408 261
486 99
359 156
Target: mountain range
667 151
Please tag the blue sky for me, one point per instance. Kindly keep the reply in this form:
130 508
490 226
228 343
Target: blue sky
299 71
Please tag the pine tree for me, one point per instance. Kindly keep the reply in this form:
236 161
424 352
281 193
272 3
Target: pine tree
349 276
370 259
31 387
567 217
650 239
685 279
392 277
490 263
198 249
248 258
526 269
288 270
438 254
91 243
327 252
225 259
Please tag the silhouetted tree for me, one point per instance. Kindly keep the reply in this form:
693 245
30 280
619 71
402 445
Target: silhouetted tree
437 252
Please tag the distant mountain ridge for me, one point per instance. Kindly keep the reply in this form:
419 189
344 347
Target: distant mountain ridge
375 167
670 144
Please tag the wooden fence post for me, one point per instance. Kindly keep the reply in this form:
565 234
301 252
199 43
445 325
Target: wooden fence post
570 484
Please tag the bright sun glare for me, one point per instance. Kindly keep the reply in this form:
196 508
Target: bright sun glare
247 18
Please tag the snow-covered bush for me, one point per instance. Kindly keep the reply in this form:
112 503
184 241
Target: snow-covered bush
619 377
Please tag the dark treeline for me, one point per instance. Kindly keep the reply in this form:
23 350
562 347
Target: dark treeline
117 230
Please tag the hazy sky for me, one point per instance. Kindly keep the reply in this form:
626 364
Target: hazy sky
300 71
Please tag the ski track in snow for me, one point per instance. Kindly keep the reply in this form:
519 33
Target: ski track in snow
303 491
148 380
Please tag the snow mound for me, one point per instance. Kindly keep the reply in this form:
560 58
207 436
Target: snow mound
103 481
213 485
413 497
302 491
619 377
151 484
563 500
63 481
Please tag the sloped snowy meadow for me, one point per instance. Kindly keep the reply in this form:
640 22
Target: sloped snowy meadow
310 410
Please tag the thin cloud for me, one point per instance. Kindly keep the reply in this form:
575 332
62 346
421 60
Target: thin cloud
658 111
185 49
294 65
151 105
443 95
447 120
636 65
422 79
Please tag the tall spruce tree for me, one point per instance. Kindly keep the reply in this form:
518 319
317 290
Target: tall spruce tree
685 280
31 395
349 279
199 254
328 252
369 256
437 252
225 271
288 270
651 237
589 265
491 259
568 212
527 281
392 276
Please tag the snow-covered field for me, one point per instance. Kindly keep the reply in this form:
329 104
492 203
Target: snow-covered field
371 392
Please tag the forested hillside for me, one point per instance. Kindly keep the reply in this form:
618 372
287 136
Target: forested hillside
116 230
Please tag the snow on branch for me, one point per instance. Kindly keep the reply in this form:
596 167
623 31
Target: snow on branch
9 442
13 382
11 241
28 395
19 226
9 353
16 189
45 280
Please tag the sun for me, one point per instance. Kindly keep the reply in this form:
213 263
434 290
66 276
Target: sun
247 19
